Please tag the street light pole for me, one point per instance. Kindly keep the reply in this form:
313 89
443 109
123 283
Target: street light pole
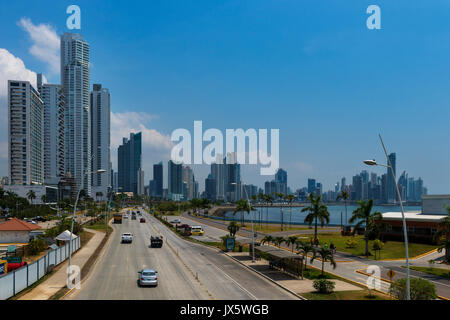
73 219
405 233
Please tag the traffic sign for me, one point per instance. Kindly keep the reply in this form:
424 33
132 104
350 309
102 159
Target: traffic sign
391 274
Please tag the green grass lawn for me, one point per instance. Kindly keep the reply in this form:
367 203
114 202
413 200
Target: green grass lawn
98 226
345 295
444 273
391 249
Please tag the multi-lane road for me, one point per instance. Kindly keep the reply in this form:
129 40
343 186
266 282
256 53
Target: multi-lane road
185 270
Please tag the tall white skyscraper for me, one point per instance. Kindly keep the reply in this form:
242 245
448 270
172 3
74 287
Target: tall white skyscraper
100 135
25 134
75 81
53 98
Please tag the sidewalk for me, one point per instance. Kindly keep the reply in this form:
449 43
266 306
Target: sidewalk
58 280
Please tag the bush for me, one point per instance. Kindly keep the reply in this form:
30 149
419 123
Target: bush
323 286
421 289
35 246
350 243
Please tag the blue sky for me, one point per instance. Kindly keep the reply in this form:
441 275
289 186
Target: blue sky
309 68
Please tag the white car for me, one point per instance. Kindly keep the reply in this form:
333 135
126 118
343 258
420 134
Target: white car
127 237
176 221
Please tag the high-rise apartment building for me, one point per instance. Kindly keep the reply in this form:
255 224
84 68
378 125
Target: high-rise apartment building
232 178
188 178
281 178
175 180
391 193
75 79
53 98
218 174
158 178
101 140
25 134
129 163
311 185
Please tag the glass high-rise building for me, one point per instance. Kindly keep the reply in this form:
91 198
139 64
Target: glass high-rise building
390 188
129 163
75 80
101 140
158 179
53 98
175 180
281 178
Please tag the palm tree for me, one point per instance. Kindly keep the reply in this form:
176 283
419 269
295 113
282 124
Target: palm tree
44 198
325 255
442 236
344 196
269 200
291 240
243 206
280 196
267 239
278 241
233 228
317 211
31 196
364 215
290 198
304 248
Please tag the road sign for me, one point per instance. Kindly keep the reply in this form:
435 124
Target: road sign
230 244
3 266
391 274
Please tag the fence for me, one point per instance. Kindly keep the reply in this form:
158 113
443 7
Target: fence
17 280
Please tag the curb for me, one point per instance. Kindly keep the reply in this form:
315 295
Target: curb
266 277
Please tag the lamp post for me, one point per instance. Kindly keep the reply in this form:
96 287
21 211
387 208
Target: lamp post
249 209
100 171
405 233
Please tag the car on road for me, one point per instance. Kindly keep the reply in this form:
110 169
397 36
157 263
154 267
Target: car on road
148 277
176 221
127 237
197 231
142 220
125 216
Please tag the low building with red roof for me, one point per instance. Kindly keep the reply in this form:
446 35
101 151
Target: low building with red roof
16 231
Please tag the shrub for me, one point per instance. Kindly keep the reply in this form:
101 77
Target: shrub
35 246
350 243
421 289
323 286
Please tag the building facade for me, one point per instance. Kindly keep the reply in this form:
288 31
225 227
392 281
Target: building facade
129 163
25 134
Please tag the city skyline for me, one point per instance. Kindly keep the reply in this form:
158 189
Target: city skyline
340 145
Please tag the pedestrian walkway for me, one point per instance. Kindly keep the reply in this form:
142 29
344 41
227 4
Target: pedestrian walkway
57 281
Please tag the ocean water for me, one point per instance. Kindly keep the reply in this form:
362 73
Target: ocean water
337 212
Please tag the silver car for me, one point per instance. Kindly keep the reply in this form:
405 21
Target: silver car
148 277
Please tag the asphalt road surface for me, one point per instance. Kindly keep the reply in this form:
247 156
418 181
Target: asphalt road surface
185 270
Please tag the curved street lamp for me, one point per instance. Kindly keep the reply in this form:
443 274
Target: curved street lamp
100 171
405 233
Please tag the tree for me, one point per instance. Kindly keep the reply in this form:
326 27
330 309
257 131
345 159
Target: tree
442 237
290 198
44 198
325 255
317 211
323 285
31 196
364 215
243 206
233 228
304 248
280 196
377 246
291 241
344 196
278 241
267 239
420 289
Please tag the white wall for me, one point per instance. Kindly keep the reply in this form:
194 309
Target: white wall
14 236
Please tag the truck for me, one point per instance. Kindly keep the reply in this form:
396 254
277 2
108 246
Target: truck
117 217
156 242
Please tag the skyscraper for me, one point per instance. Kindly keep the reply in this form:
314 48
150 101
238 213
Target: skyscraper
281 178
232 178
175 180
188 178
100 135
311 185
75 78
129 163
25 134
218 174
391 194
158 178
53 98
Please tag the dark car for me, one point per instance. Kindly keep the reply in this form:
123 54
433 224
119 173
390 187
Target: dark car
142 220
